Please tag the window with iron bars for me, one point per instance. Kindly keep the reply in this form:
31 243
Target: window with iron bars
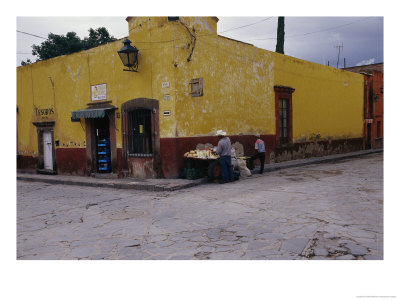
283 120
140 141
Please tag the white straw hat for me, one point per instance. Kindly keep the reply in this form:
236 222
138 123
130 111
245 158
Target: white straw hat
220 133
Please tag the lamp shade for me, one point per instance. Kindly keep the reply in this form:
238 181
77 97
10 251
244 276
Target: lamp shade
129 55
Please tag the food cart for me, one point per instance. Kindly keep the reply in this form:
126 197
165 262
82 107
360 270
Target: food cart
202 163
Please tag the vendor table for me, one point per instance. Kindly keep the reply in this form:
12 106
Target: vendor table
209 166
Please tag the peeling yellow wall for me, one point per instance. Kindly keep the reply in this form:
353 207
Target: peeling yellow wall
237 91
72 76
234 99
238 81
168 45
326 102
26 132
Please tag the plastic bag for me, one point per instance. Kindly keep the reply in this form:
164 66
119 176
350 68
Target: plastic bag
244 171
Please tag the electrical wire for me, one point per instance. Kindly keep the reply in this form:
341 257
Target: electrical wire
209 34
124 35
303 34
32 34
272 38
308 33
246 25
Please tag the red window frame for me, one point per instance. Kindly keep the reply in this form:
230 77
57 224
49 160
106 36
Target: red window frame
283 92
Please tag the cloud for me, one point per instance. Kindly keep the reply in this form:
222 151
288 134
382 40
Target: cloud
307 38
366 62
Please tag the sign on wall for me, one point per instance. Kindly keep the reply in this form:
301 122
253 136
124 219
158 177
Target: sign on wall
43 113
99 92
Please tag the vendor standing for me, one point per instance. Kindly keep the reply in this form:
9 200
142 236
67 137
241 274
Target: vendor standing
224 152
260 147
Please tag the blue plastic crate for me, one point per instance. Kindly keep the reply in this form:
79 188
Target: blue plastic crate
104 160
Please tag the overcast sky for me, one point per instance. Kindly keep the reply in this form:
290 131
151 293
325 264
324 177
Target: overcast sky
310 38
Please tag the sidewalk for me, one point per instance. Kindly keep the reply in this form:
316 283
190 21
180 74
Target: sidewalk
177 184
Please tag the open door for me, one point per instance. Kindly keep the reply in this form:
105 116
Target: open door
102 145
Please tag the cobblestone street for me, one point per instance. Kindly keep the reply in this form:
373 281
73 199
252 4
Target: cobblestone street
317 212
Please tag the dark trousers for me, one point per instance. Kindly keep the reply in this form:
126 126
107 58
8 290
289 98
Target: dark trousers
226 168
261 157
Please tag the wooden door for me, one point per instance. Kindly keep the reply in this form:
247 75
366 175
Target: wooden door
47 150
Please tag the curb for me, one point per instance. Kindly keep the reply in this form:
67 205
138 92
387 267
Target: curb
316 160
170 186
116 185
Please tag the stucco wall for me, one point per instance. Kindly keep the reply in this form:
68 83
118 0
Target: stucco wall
327 102
238 87
237 78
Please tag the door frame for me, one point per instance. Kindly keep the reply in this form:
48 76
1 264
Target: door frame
42 127
47 155
91 155
368 140
283 92
155 160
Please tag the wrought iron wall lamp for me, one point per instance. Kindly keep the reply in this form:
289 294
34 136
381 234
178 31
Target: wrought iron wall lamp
129 56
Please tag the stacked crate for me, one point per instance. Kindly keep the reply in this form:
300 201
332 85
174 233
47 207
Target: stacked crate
103 155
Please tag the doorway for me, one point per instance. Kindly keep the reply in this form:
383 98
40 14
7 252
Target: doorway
368 142
47 150
101 151
102 145
47 155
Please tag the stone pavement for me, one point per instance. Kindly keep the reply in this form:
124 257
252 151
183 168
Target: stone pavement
149 184
176 184
331 211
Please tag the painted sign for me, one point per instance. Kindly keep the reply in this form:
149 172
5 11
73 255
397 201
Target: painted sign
43 112
165 84
166 97
99 92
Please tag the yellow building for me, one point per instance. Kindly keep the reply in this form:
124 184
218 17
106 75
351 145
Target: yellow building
82 113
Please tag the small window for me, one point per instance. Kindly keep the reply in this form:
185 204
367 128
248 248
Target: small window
173 18
196 87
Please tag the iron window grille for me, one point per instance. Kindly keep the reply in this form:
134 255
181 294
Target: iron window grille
283 120
139 133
